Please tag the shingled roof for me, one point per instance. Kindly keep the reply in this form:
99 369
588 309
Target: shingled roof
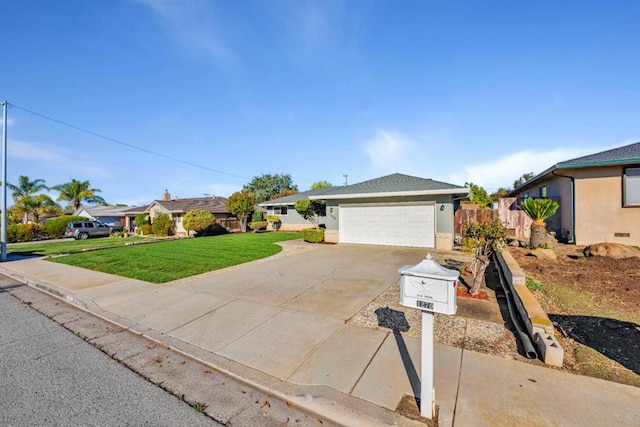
293 198
395 184
211 204
618 156
627 155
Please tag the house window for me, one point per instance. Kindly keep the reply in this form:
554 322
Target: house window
543 191
525 195
631 187
280 210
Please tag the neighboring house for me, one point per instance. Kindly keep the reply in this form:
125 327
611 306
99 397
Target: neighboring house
176 208
394 210
110 215
599 196
284 208
130 216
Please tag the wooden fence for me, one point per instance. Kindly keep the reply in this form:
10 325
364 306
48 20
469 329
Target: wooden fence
518 224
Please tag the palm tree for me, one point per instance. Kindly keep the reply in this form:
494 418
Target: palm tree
25 190
37 205
75 192
538 210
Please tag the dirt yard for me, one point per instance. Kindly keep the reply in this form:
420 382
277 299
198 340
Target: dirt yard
595 304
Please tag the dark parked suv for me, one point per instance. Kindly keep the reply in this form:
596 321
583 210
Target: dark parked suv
85 229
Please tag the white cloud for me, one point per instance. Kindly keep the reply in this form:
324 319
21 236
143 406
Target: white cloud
55 158
312 22
388 151
192 23
502 171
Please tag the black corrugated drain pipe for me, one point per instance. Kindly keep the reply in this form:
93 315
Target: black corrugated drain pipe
525 339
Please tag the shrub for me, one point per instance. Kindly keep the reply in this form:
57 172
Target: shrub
162 225
489 237
257 216
55 227
141 219
25 233
274 220
215 230
258 225
198 221
145 229
313 235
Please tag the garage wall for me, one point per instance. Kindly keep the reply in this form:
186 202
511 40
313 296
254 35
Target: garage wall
443 205
444 218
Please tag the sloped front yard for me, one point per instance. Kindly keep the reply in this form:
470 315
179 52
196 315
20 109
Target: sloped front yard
595 305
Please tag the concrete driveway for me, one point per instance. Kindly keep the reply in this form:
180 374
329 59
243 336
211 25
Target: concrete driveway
273 314
270 315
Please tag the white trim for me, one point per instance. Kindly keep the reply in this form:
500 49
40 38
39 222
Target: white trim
391 194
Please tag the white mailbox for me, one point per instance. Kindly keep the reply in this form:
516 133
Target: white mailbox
429 286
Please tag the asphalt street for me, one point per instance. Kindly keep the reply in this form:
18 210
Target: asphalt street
50 377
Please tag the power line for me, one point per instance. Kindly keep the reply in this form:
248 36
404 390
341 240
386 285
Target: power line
117 141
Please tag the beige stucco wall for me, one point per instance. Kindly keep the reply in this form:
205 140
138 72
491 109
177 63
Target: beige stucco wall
599 210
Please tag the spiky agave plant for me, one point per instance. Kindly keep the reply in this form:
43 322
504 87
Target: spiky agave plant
539 210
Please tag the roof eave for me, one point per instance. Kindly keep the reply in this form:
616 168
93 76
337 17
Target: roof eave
616 162
391 194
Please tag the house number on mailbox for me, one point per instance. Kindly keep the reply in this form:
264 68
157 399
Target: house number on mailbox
425 305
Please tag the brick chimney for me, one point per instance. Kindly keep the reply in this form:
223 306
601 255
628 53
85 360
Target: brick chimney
166 196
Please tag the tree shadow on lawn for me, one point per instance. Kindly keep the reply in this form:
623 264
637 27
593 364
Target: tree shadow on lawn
616 339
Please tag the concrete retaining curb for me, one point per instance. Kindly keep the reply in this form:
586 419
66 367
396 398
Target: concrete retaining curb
538 325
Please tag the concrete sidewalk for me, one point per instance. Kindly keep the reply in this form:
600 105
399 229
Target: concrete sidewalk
291 339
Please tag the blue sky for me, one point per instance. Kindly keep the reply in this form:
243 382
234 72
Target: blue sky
451 90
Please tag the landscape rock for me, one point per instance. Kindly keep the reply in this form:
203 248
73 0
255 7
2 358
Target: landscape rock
544 254
611 250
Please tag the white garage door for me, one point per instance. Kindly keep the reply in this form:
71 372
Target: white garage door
397 225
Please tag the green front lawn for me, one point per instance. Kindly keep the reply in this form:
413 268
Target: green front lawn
69 246
175 259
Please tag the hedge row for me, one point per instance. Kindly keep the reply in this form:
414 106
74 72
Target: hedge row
51 229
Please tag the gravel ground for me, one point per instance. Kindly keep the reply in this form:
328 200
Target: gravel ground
386 314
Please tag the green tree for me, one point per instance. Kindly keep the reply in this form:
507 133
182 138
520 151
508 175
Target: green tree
141 219
198 220
241 204
76 192
311 210
162 225
487 237
499 194
539 210
257 216
25 189
264 187
479 195
523 178
321 184
37 205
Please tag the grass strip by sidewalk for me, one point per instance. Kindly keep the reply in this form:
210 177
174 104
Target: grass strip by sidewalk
69 246
176 259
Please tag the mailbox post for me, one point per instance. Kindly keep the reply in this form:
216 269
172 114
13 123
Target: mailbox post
431 288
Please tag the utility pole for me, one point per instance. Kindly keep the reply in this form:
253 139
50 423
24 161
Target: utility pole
3 237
